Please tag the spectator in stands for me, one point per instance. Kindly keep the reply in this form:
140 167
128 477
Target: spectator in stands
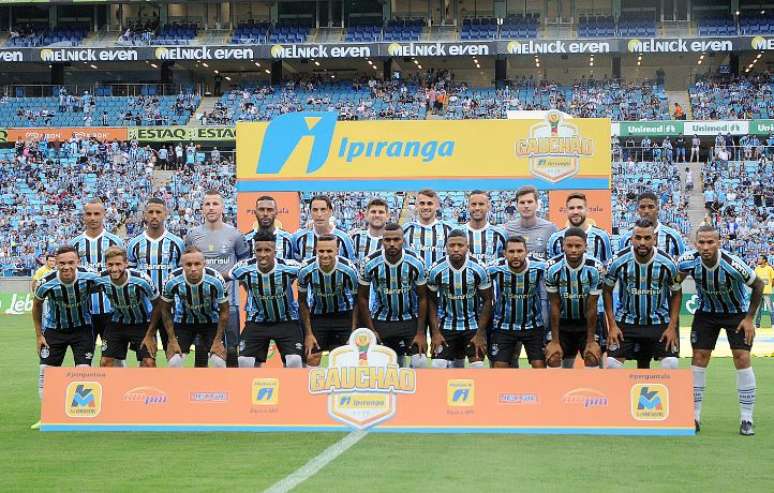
678 112
695 148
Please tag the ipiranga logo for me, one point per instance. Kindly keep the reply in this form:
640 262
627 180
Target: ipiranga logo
286 133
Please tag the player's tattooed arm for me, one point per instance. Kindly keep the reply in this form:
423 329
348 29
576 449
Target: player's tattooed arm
363 294
746 324
217 343
37 320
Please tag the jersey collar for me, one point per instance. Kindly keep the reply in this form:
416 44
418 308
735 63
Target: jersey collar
317 265
580 266
464 264
652 258
85 235
68 283
400 260
145 234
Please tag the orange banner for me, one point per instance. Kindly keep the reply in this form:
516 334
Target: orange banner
617 402
598 207
62 134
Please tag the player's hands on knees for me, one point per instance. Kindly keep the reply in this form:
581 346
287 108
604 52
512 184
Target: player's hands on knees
554 352
437 342
149 343
592 353
173 348
748 327
669 338
311 345
614 335
420 340
41 343
479 343
218 349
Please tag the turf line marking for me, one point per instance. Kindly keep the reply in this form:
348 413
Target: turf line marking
313 466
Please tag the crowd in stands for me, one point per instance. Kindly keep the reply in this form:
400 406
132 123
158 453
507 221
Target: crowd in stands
733 97
139 32
85 109
739 199
34 35
438 93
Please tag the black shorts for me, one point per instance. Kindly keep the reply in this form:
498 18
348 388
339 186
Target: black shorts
100 324
505 342
706 328
119 337
572 337
642 341
332 330
256 338
186 334
79 339
458 345
398 336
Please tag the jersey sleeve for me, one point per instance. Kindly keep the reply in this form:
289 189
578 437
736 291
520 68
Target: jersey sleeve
41 291
742 271
486 281
607 247
238 271
685 262
554 245
675 284
180 249
365 274
596 280
241 250
149 288
221 294
354 277
131 257
347 249
552 286
422 274
303 279
680 245
432 281
168 291
612 272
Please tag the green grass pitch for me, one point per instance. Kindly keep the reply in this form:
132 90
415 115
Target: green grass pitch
717 459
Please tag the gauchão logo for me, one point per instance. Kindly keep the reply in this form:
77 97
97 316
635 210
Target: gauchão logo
554 148
650 402
362 381
286 133
83 399
460 393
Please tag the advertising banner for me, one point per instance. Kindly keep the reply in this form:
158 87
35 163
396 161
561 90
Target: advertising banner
66 133
195 134
15 303
363 388
312 151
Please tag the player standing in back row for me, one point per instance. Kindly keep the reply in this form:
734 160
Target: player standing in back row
427 236
91 246
723 282
156 252
305 240
266 220
367 241
222 246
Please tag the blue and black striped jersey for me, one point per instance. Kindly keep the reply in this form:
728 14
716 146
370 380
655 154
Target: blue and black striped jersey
644 289
722 288
195 303
429 242
517 295
305 242
598 244
68 304
458 292
365 245
92 254
394 284
284 243
331 292
270 295
574 285
668 240
155 258
132 301
486 244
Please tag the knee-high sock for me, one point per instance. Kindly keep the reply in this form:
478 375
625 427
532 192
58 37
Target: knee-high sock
699 384
40 381
745 387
